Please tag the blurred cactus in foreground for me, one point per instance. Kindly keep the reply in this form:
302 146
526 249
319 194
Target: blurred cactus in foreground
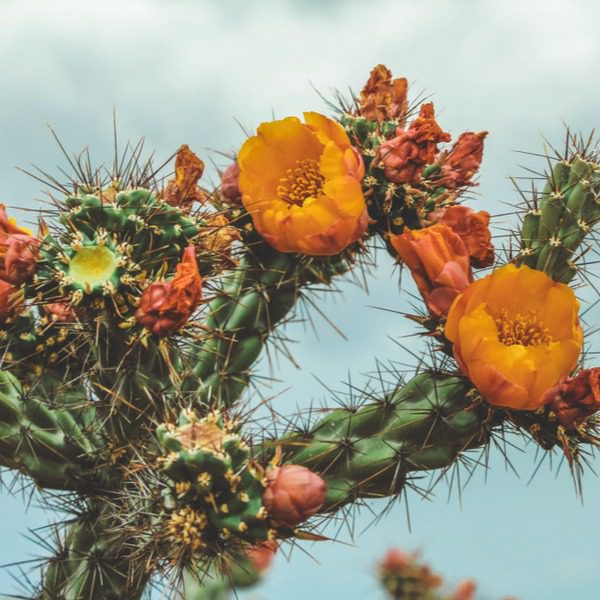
132 321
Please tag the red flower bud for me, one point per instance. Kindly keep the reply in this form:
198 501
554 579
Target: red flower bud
294 493
465 590
166 306
395 560
261 556
230 184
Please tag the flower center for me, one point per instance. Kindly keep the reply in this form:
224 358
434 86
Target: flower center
524 330
302 181
92 266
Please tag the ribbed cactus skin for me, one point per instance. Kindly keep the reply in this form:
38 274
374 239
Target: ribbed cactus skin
256 297
57 447
553 232
368 452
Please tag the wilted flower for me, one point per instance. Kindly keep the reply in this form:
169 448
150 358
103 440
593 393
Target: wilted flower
166 305
439 263
183 191
404 575
218 235
383 98
18 251
294 493
404 156
462 162
472 227
301 183
395 560
516 333
574 399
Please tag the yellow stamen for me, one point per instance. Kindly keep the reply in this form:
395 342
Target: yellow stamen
302 181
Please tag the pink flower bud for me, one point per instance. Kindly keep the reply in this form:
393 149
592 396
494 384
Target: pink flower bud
465 590
294 493
229 183
61 311
395 560
261 556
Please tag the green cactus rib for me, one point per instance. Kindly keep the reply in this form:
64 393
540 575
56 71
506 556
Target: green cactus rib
368 452
54 446
256 297
553 232
92 562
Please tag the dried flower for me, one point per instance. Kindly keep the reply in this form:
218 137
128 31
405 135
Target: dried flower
574 399
166 306
183 191
463 161
383 98
404 156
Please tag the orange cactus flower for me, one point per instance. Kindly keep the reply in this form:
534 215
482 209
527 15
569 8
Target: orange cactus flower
516 333
463 161
574 399
183 191
439 263
383 98
473 229
18 250
404 156
165 306
301 183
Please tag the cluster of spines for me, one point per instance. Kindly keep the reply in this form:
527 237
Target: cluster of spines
367 452
564 214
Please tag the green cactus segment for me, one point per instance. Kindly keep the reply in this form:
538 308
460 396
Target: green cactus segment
392 206
553 232
93 562
254 300
369 452
55 446
215 490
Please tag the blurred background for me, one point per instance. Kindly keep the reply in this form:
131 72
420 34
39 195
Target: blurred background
198 72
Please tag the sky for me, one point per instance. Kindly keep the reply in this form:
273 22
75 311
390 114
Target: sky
202 73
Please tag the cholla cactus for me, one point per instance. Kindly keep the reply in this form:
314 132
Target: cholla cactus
130 325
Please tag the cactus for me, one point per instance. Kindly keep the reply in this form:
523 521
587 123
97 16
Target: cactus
131 325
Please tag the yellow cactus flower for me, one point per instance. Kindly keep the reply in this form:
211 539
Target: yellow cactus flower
301 183
516 333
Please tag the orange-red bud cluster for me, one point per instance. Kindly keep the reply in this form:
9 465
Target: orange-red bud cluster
383 98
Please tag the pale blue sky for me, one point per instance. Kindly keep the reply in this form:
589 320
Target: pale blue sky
184 72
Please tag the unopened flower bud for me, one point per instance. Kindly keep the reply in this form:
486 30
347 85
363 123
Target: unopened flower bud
229 184
294 493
